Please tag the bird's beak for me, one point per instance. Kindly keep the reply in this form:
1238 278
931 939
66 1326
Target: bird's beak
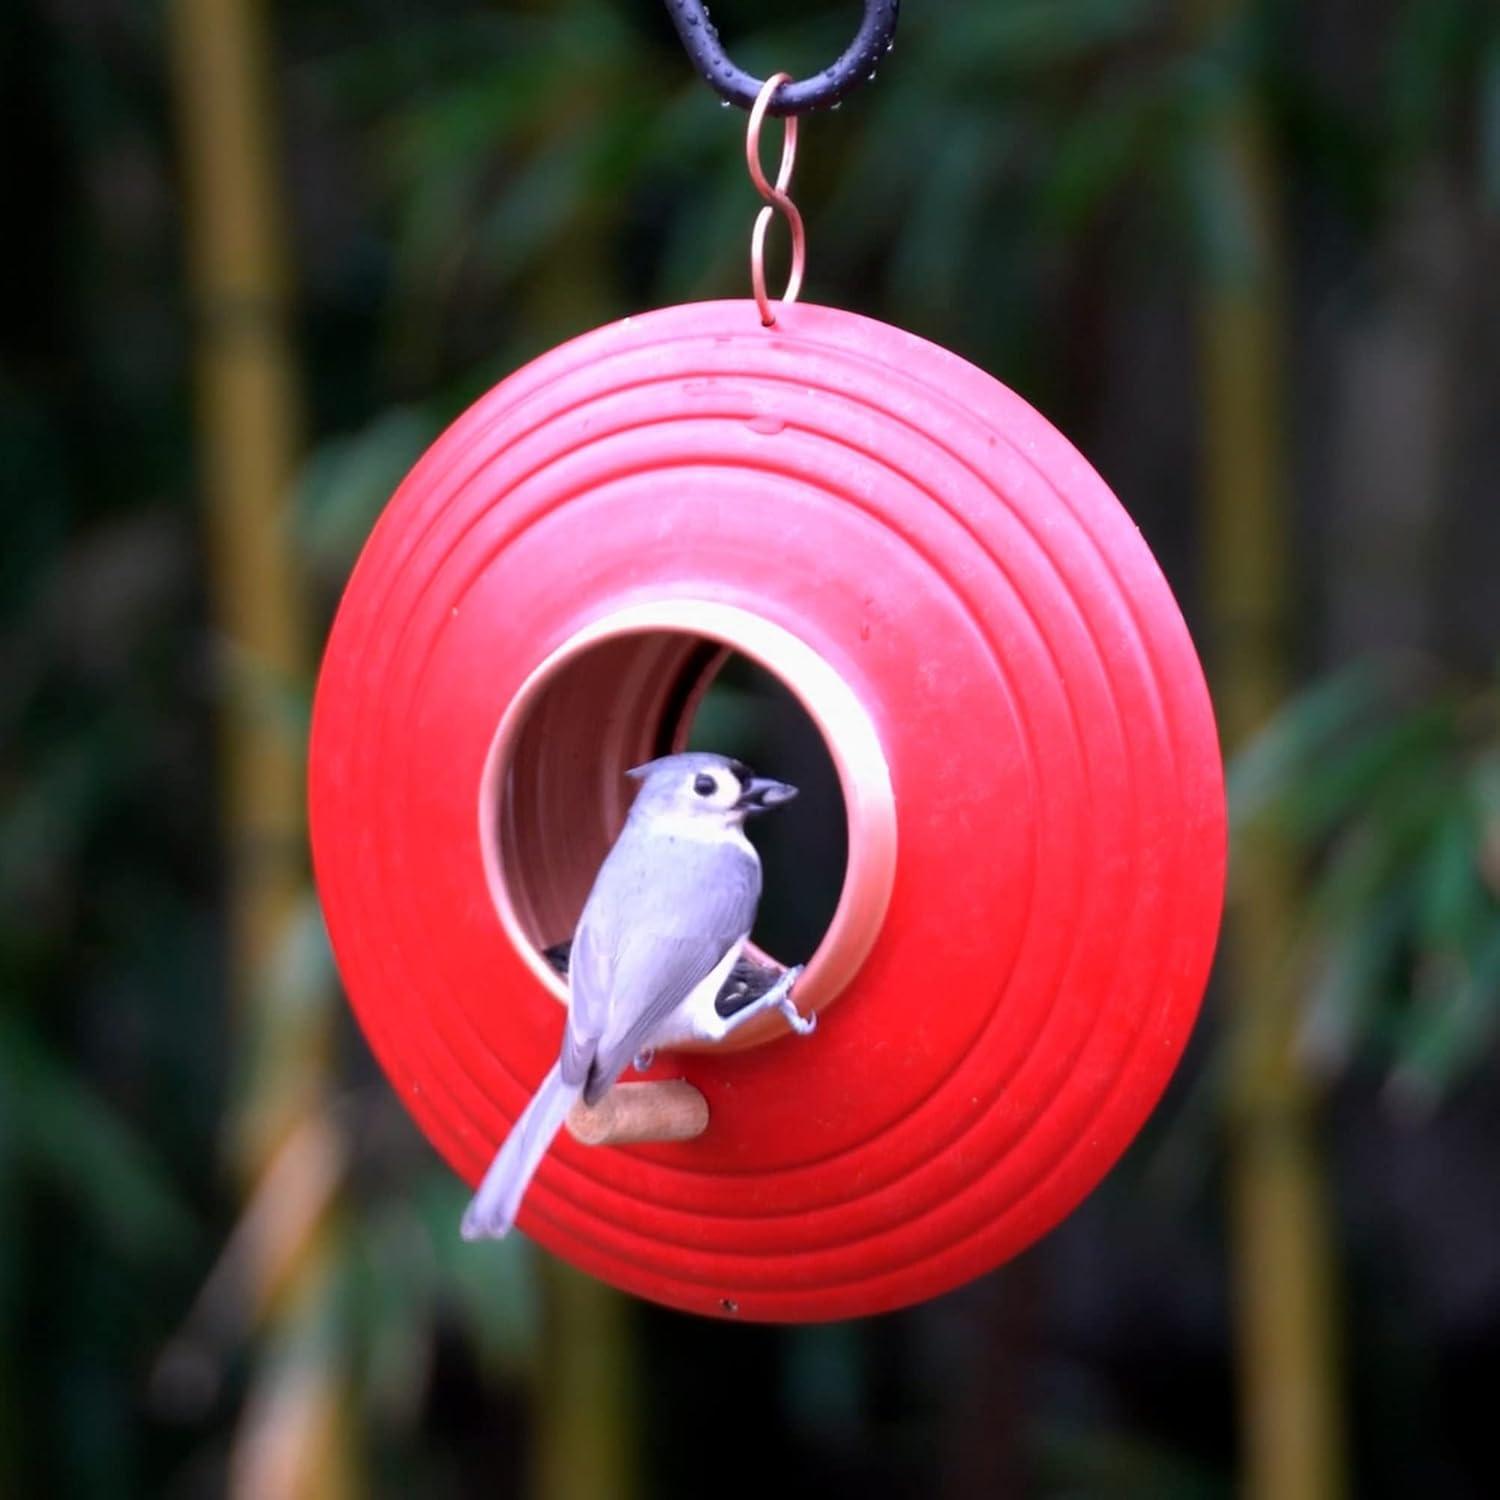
761 794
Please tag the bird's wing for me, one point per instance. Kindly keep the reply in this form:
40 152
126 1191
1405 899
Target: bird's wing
701 903
590 969
656 973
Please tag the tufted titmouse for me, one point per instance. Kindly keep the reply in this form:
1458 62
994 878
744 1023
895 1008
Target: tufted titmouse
671 908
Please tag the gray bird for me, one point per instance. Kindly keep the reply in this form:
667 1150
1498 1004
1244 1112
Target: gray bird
671 908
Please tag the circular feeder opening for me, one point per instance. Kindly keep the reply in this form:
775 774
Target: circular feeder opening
659 678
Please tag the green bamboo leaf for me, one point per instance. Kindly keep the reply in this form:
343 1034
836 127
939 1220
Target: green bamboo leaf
1099 148
1262 774
61 1130
1027 36
927 255
1383 843
1450 1027
346 482
546 193
491 1284
887 162
1352 974
1452 902
42 827
1484 783
704 250
393 1305
1399 766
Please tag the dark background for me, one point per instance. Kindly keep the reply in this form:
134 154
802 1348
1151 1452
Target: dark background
1243 253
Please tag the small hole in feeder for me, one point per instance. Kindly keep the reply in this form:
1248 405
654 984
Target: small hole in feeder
555 795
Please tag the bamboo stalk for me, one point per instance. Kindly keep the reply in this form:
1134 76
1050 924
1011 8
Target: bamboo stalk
293 1436
586 1419
1283 1268
249 402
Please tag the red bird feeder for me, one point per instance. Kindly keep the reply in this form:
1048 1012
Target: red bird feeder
1027 755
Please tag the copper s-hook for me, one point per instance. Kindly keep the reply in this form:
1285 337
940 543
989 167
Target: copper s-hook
777 201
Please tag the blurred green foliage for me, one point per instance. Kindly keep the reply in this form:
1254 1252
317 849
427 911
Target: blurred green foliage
1385 780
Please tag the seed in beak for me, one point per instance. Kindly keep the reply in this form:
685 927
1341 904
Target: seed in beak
761 794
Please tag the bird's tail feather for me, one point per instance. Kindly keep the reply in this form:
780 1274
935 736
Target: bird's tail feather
493 1208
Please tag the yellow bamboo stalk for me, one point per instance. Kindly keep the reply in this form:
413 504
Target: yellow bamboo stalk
586 1421
1283 1270
249 438
294 1439
249 421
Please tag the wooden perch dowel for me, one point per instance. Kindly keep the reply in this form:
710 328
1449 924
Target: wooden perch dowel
671 1110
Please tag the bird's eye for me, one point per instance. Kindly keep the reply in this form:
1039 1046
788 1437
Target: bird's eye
705 785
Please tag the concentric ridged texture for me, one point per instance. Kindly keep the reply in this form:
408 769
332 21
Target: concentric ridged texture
1051 746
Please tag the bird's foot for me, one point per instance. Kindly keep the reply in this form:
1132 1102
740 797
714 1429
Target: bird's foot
780 994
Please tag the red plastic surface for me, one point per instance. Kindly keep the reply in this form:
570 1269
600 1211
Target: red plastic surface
1058 789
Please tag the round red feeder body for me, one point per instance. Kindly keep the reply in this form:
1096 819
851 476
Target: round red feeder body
1024 739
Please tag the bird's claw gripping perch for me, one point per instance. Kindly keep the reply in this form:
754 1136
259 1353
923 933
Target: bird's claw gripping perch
782 991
